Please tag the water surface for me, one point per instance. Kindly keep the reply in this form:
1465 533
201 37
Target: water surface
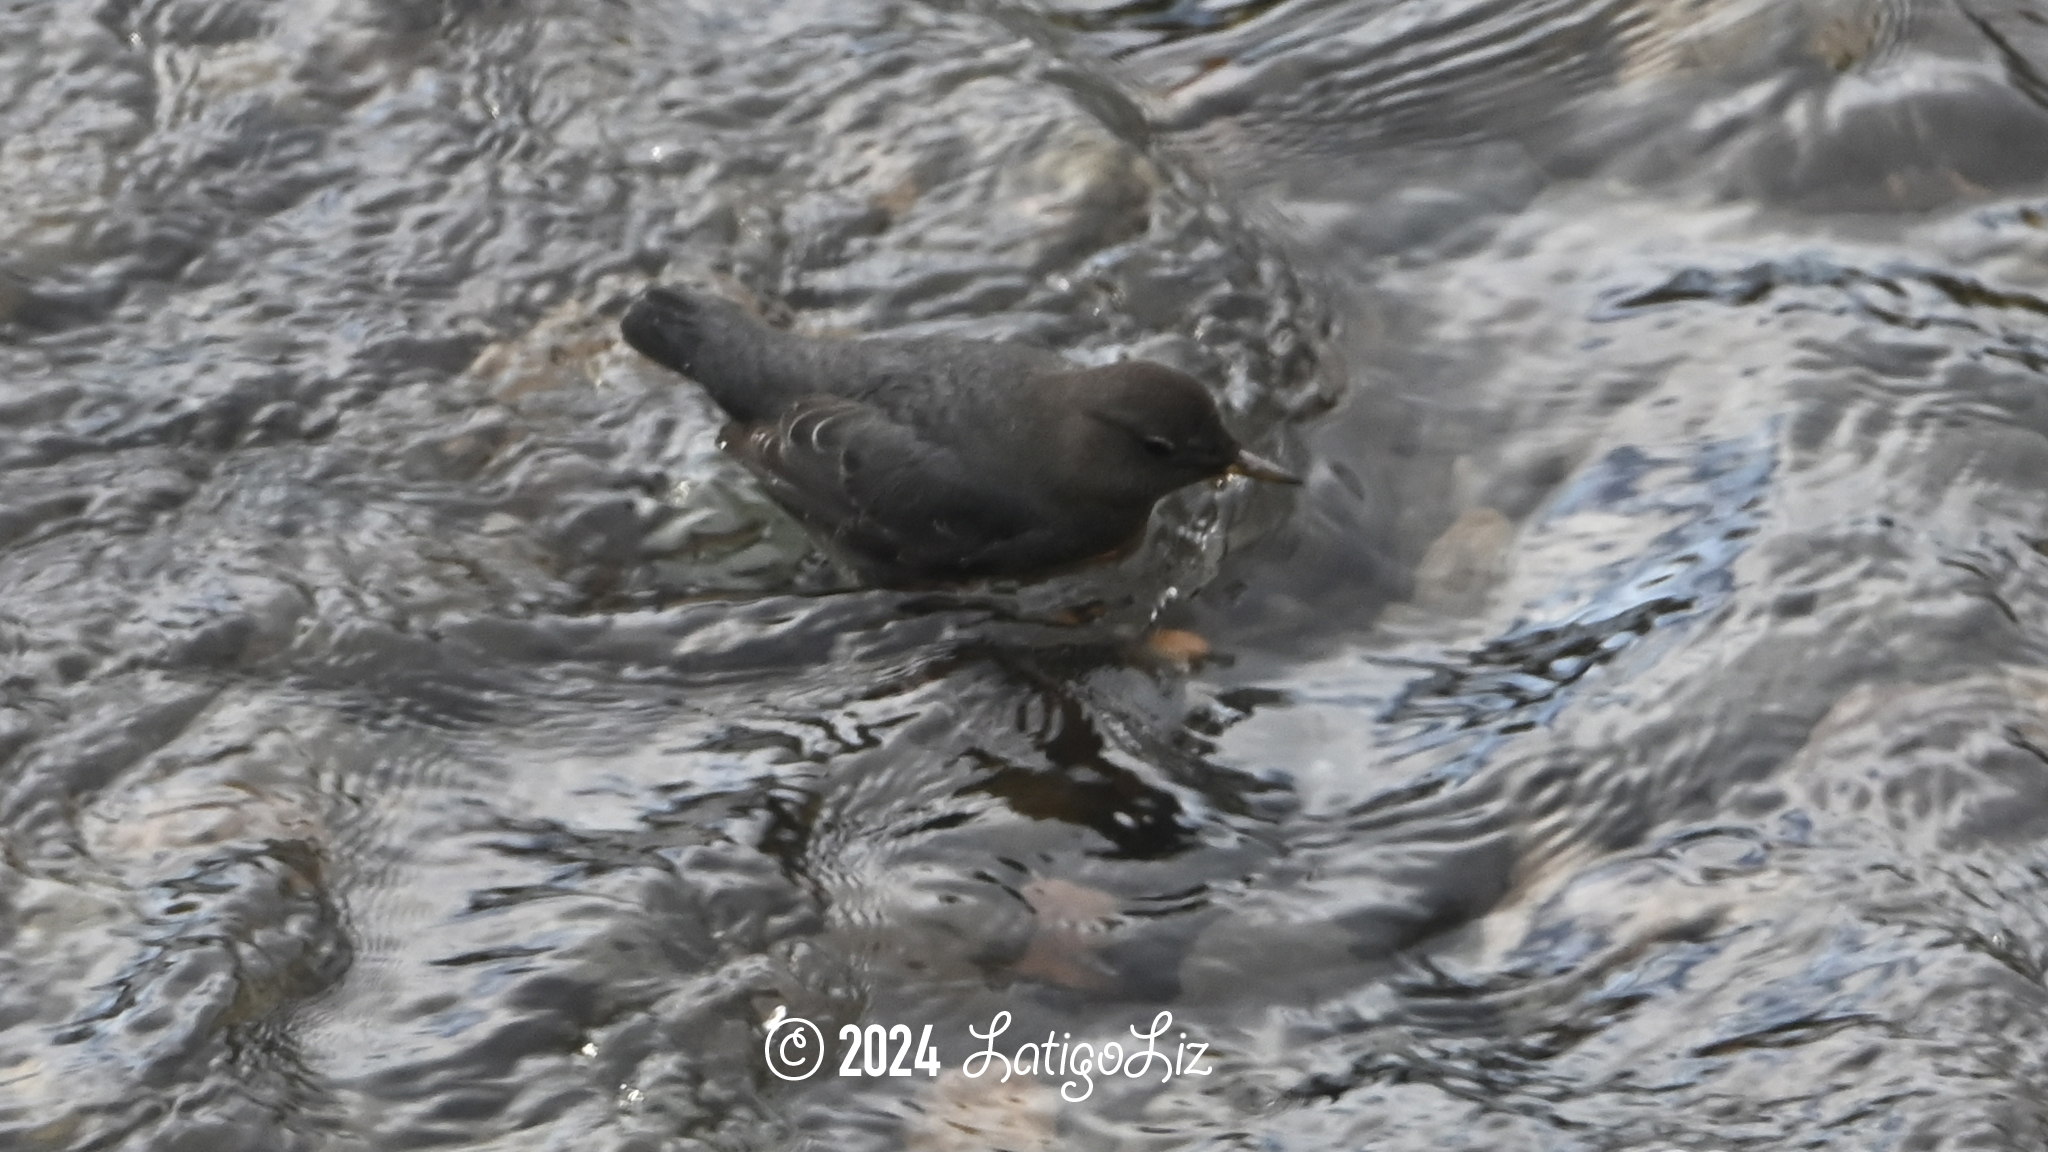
1634 736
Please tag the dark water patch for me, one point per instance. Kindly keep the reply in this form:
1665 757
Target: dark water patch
1522 681
2003 323
1911 297
1139 822
228 954
2021 49
1392 79
1517 673
1139 24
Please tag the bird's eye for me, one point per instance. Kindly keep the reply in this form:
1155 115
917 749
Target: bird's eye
1158 445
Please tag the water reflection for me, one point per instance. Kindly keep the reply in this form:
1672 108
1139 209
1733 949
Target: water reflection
415 731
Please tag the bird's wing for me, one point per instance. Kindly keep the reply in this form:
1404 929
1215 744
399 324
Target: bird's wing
877 489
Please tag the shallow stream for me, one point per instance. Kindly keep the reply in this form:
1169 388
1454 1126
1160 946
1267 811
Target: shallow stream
1634 737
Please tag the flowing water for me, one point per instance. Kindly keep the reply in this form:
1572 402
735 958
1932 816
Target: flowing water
1633 737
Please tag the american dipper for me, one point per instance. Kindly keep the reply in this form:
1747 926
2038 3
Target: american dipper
923 461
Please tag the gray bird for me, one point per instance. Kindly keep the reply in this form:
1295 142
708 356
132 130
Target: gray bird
934 460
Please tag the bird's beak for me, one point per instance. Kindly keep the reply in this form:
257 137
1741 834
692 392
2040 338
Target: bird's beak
1247 464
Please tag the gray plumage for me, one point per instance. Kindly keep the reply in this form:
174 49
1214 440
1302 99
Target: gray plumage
933 460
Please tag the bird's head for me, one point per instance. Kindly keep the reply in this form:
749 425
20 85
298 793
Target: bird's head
1135 431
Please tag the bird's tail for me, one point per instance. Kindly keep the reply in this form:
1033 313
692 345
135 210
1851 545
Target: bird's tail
747 367
663 326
